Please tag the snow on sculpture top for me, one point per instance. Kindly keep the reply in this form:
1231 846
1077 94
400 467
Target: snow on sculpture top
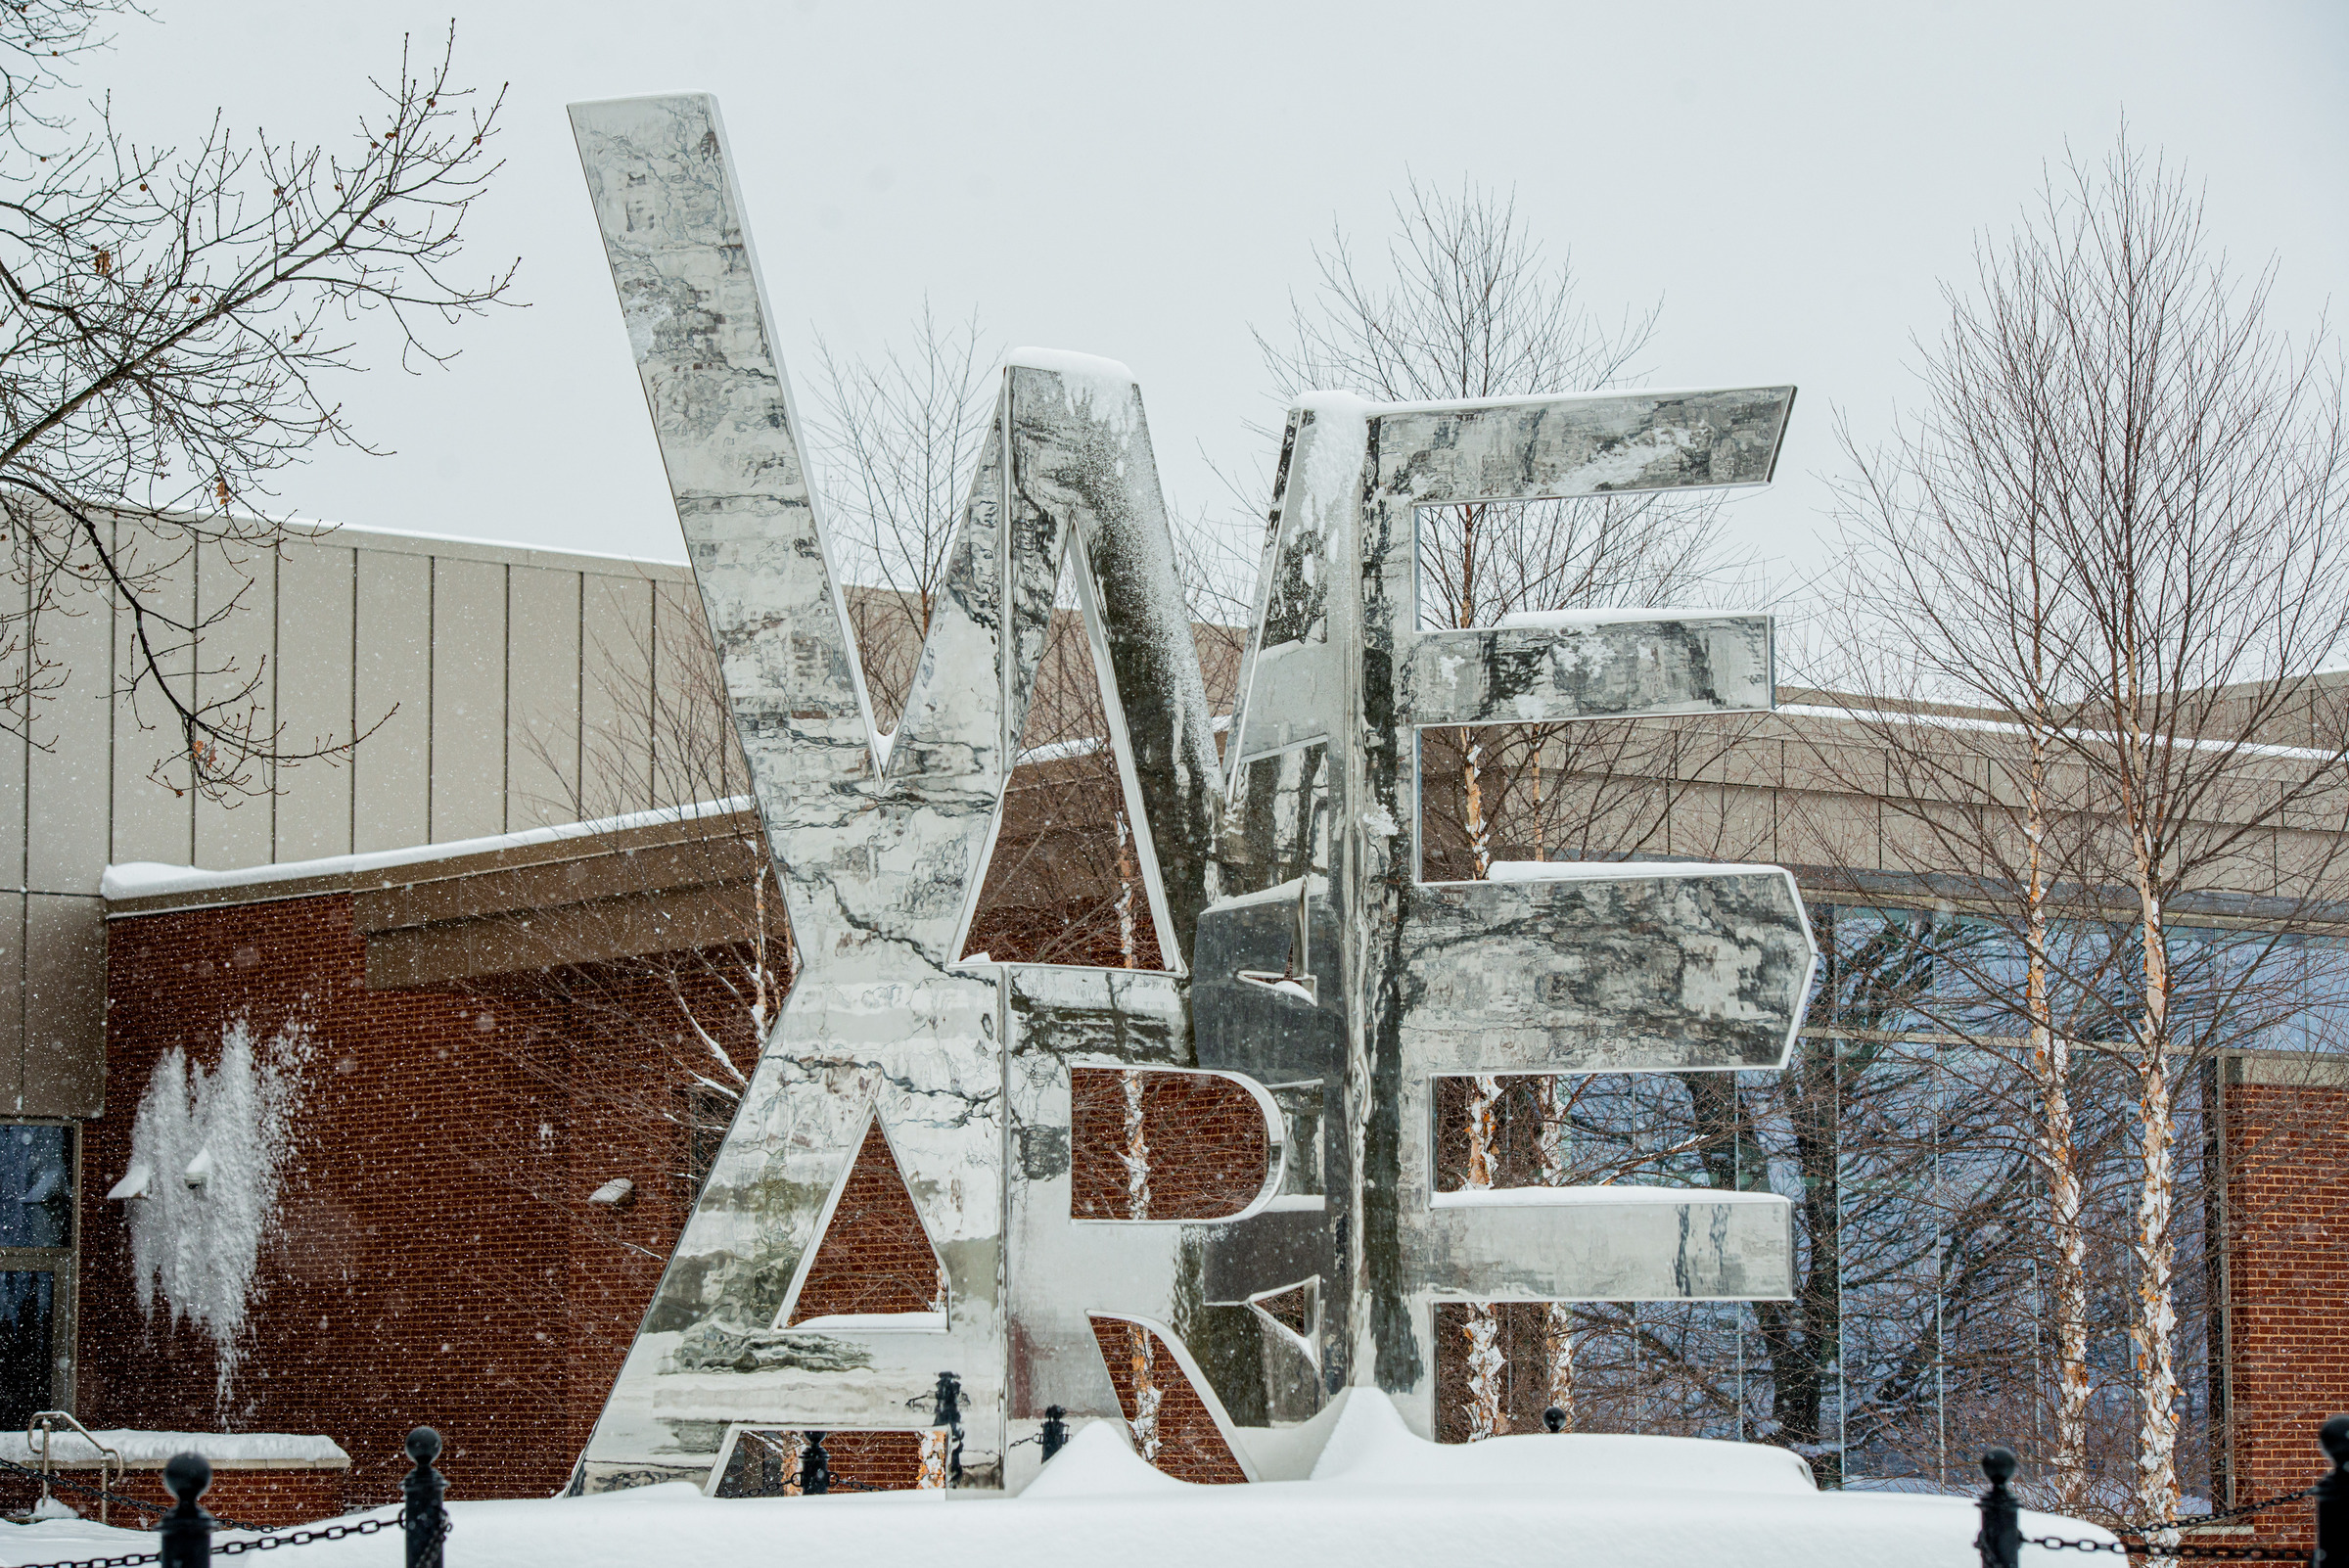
1325 975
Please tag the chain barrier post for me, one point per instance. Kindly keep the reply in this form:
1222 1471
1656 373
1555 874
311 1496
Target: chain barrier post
1056 1431
426 1517
187 1529
816 1468
2001 1542
948 1414
2332 1496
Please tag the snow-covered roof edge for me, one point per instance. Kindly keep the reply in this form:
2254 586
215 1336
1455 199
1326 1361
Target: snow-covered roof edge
149 879
227 1451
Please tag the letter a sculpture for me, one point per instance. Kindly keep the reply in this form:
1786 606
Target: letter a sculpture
1325 978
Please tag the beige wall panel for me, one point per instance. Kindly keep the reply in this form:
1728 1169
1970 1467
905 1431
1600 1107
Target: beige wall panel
690 746
2247 865
154 807
1697 824
1925 836
617 653
69 793
236 830
1820 829
2310 864
1816 760
1749 825
1934 770
65 1007
1606 819
1742 751
542 710
390 778
469 699
314 607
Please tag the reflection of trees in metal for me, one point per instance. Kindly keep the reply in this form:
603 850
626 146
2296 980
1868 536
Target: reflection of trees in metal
1900 1131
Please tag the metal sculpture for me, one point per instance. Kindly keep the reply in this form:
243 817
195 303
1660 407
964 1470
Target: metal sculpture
1326 980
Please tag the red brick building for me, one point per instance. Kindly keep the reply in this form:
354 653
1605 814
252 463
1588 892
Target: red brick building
500 1033
441 1254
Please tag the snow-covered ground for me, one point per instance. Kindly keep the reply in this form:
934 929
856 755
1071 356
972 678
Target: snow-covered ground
1377 1495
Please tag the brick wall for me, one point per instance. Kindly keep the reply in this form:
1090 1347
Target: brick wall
2287 1291
1207 1145
1190 1446
436 1260
873 1256
271 1499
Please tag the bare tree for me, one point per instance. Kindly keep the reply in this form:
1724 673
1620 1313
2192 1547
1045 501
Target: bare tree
1465 303
1468 305
901 439
174 320
2117 531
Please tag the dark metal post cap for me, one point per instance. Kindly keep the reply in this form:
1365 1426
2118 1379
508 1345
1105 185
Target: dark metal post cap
424 1445
2334 1436
187 1476
1999 1464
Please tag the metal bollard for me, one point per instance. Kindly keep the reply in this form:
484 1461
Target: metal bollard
2332 1495
816 1468
2001 1542
948 1414
427 1520
1056 1431
1553 1419
187 1529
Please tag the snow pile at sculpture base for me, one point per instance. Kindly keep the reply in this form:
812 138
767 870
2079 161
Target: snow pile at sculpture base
1376 1495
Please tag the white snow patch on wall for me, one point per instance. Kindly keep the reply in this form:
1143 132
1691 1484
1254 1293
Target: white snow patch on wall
197 1245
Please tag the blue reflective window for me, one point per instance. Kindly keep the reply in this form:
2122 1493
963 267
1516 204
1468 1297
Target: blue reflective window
36 1187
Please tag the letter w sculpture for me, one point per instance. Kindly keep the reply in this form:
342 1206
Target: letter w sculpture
1329 986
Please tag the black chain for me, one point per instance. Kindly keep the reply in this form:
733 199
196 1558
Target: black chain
145 1506
2200 1519
268 1542
2186 1549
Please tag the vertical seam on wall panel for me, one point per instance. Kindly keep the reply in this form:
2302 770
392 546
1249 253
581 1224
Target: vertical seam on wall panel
114 676
350 843
194 697
505 712
24 1002
578 702
432 671
652 693
276 664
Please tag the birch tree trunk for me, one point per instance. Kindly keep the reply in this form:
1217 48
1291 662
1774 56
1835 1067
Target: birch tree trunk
2154 1331
2058 1162
1557 1327
1488 1366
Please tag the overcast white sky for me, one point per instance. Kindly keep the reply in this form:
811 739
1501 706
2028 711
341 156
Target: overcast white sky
1144 182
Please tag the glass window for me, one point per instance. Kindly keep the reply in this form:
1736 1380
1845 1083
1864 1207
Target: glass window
27 1315
36 1187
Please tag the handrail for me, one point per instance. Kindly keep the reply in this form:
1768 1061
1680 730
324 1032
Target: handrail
47 1421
